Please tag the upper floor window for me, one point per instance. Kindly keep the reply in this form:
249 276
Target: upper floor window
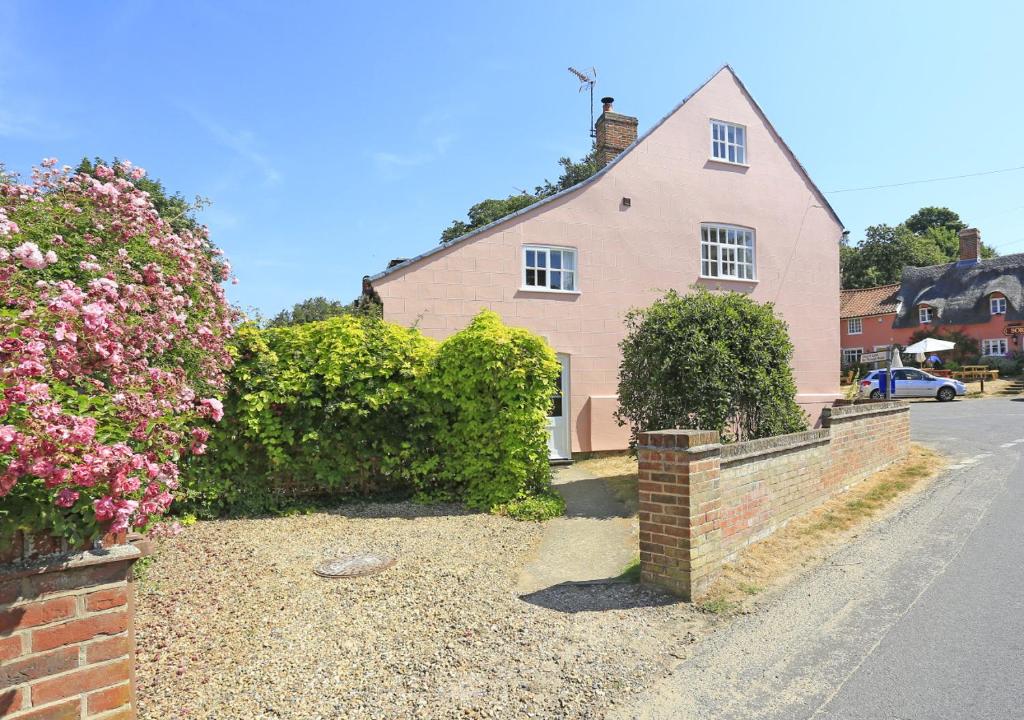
997 305
854 326
726 251
997 346
549 268
728 142
924 314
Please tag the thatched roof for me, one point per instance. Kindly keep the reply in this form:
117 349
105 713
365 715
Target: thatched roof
960 291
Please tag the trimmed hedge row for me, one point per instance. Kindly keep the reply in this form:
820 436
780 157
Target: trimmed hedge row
355 407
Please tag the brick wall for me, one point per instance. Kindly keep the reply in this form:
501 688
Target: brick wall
701 502
66 637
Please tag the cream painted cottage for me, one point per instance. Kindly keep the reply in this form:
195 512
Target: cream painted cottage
710 195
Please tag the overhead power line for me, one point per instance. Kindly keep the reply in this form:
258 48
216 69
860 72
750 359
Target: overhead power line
929 180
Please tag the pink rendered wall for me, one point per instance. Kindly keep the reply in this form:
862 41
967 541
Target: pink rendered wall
629 256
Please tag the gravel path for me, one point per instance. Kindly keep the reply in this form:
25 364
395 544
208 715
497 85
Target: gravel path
232 623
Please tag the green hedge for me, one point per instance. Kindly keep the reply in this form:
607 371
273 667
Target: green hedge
356 407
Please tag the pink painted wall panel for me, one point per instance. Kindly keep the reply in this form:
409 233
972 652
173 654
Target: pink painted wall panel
628 257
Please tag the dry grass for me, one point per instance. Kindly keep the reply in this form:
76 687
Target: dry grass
772 561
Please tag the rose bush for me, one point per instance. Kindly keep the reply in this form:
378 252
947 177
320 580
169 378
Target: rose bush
112 351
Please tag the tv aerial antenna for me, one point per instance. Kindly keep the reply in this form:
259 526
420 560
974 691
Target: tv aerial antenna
587 80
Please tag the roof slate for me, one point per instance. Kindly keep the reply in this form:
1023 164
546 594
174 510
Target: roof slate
864 302
960 292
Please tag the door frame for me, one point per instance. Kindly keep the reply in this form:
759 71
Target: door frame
561 438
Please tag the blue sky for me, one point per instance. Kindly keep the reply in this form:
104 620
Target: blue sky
333 136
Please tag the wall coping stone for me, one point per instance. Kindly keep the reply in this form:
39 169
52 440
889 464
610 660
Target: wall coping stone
678 438
771 445
844 412
116 553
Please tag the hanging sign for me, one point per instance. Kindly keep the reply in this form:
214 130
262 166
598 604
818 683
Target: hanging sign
874 356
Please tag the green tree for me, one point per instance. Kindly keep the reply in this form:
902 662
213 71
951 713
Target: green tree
715 361
934 217
928 237
487 211
320 308
880 258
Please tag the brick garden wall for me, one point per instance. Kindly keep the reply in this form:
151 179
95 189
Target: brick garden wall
701 502
66 637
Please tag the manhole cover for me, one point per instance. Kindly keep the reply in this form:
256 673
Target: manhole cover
354 565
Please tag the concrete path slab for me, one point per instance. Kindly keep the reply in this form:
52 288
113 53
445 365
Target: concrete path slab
595 540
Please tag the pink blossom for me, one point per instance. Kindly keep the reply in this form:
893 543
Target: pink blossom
104 508
214 407
30 255
66 498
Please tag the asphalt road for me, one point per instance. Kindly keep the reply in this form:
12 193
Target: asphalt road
921 617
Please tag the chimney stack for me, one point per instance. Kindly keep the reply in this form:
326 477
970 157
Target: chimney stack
614 132
970 245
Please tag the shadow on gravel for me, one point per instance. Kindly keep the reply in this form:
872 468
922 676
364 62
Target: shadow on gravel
596 596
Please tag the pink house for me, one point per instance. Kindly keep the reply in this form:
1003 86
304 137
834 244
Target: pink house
710 195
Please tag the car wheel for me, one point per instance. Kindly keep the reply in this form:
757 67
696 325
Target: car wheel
875 394
946 394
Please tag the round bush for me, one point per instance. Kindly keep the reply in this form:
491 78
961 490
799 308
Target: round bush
714 361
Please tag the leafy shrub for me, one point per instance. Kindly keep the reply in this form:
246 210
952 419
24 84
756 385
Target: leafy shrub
331 407
358 407
491 390
966 351
112 332
1007 366
537 508
716 361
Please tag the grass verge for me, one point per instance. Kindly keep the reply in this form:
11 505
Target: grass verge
768 563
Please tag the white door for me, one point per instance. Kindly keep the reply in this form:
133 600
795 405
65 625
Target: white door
558 418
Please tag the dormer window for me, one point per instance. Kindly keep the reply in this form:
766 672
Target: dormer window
728 142
924 314
997 305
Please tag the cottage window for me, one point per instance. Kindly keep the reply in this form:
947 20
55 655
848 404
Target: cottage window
854 326
924 314
851 356
549 268
997 305
726 251
997 346
728 142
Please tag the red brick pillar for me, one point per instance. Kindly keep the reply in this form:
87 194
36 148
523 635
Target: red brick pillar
67 648
679 508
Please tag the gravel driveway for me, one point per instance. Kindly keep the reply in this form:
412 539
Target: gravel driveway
232 623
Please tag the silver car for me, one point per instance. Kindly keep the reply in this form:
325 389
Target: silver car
910 382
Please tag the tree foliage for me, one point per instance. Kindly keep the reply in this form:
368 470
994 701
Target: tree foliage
487 211
714 361
353 407
928 237
320 308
